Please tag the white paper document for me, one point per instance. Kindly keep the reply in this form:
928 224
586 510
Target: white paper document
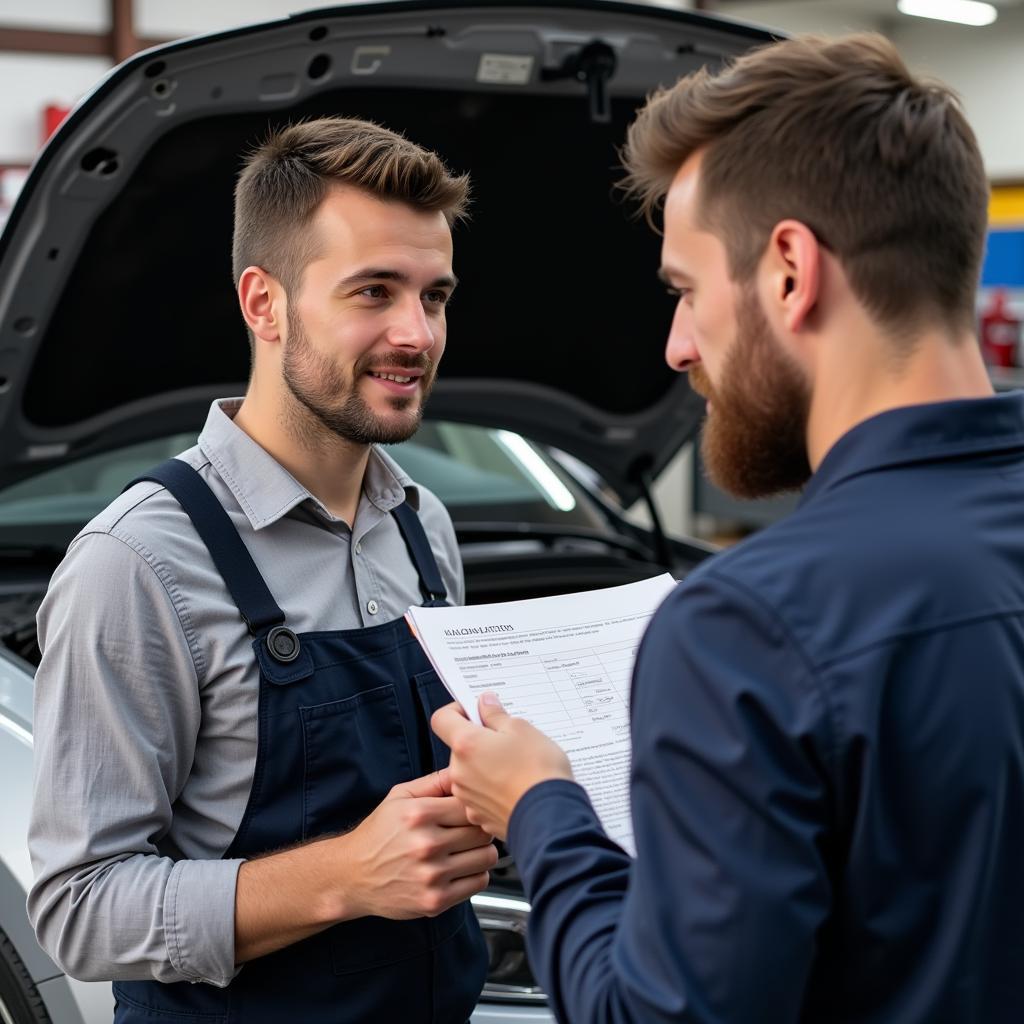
565 665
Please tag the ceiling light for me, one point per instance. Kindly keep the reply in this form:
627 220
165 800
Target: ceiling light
963 12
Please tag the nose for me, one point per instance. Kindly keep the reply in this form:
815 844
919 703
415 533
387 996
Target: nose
411 327
680 349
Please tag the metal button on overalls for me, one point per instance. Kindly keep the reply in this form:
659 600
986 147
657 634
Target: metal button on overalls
343 716
283 644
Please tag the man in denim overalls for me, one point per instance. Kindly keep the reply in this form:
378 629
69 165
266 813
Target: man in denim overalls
238 813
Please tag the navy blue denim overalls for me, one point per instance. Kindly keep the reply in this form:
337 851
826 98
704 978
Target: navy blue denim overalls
343 716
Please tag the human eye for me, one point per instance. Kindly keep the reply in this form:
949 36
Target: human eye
437 297
374 291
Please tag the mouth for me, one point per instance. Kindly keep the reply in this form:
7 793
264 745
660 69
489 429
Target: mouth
398 378
397 383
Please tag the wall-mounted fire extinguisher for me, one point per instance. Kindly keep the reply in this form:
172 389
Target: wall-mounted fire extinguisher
1000 332
53 114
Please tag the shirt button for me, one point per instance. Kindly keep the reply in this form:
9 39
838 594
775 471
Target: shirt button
372 607
359 548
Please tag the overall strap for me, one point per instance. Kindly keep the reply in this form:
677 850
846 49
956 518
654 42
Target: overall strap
415 538
218 533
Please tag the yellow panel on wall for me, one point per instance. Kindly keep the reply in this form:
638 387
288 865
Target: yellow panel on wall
1006 206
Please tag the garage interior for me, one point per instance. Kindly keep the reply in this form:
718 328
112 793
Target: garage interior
57 51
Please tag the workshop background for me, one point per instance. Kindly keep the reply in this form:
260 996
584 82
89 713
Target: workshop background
52 52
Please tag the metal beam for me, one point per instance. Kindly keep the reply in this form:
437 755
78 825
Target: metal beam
123 41
77 44
33 40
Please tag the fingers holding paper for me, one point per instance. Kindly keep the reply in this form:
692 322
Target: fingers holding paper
493 765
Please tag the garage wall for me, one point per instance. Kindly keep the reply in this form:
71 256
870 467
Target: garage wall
984 65
39 81
58 15
164 19
804 16
31 82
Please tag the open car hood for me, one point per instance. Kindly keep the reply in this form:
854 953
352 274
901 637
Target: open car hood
118 320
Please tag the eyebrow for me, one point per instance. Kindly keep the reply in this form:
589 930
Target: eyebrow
380 274
665 275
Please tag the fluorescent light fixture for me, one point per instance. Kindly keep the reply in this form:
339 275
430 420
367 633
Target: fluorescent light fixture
963 12
554 491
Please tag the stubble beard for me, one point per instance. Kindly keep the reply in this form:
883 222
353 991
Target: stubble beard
754 442
327 404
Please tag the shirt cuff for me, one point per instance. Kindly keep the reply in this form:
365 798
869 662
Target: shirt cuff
199 920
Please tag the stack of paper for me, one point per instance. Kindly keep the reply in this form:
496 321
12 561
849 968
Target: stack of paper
565 665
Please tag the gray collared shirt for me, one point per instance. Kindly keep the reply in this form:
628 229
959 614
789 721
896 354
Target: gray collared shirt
146 698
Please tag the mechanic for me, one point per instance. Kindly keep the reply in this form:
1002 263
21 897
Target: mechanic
827 720
233 754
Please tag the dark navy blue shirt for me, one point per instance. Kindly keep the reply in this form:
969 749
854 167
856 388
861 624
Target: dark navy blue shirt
828 761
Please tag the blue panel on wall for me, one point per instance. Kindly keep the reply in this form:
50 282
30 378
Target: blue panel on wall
1004 259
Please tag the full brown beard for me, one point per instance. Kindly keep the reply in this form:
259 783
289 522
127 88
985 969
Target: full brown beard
754 441
328 401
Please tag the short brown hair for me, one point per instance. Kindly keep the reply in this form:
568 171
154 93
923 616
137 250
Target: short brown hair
838 135
286 178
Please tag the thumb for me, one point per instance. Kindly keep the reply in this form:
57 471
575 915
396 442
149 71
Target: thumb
492 712
435 784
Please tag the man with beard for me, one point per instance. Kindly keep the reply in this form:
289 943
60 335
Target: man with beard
827 720
233 755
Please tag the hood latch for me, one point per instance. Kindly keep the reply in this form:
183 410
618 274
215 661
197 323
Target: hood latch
595 65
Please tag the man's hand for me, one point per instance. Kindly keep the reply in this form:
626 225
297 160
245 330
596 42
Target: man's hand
416 854
492 767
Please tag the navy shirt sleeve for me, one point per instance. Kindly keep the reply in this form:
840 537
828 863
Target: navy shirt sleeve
716 919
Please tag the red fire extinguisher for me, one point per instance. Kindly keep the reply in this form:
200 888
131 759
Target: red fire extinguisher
52 117
1000 332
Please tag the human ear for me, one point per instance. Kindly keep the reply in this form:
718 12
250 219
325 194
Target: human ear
793 267
261 299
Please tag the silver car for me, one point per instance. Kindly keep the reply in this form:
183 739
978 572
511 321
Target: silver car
554 409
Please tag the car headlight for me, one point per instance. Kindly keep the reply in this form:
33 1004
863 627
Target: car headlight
503 922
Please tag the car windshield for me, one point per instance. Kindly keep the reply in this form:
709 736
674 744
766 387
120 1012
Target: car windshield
481 475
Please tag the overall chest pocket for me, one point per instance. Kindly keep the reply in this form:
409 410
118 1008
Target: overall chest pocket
355 751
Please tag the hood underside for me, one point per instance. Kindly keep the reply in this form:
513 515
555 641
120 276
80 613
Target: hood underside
118 319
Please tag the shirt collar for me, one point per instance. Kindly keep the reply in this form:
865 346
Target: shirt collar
922 433
266 491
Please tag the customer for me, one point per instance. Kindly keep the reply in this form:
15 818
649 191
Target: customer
828 720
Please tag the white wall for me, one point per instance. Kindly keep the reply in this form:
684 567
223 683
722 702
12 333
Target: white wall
984 65
161 19
829 18
57 15
30 83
